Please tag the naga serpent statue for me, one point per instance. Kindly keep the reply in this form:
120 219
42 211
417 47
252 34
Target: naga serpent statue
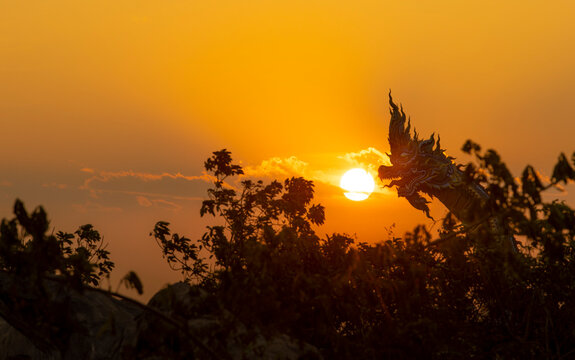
421 166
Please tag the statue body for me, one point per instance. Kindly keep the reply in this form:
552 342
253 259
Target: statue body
421 166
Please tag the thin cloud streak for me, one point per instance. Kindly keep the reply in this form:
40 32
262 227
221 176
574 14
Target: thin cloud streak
91 206
160 190
105 176
157 192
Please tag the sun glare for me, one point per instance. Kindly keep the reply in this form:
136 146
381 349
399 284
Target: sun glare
357 183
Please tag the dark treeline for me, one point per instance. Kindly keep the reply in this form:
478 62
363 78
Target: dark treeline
455 294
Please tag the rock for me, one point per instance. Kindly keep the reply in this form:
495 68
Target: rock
14 345
180 322
65 323
219 330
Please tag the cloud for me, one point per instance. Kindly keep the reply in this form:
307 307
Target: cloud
369 159
170 205
276 166
127 188
56 185
165 204
143 201
171 190
106 176
91 206
175 186
328 170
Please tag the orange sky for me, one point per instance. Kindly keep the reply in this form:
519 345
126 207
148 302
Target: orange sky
102 103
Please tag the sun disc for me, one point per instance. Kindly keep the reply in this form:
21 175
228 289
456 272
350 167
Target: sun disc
357 183
356 196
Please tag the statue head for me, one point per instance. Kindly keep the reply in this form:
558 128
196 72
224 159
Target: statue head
416 165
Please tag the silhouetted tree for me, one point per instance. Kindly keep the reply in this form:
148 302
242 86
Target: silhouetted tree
456 295
28 251
451 295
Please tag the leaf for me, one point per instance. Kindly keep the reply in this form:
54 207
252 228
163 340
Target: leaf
22 216
563 172
531 184
207 207
161 230
469 147
132 281
221 164
316 214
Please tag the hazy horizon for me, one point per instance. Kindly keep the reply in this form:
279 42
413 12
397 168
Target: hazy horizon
109 109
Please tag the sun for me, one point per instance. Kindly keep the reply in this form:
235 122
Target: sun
357 183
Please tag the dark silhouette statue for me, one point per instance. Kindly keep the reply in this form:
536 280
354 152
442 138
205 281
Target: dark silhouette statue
421 166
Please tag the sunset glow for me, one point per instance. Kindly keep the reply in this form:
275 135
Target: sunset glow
110 108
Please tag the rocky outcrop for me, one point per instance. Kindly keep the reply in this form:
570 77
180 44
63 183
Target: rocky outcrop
14 345
49 320
53 321
221 333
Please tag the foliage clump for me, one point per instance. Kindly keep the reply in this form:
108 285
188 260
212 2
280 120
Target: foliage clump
458 294
27 249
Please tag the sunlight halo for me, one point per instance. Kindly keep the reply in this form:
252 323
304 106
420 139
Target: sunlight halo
357 183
